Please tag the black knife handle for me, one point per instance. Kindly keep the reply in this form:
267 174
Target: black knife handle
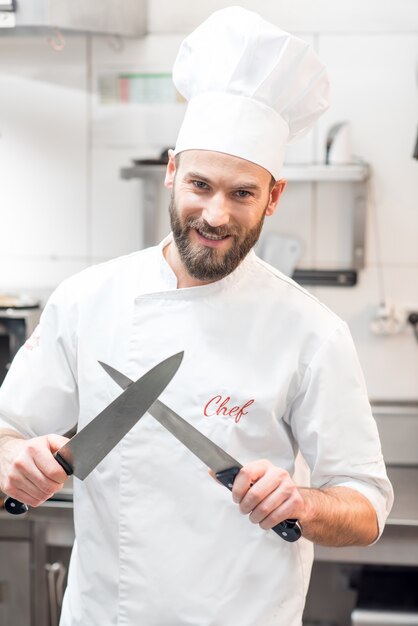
289 529
64 464
227 477
15 507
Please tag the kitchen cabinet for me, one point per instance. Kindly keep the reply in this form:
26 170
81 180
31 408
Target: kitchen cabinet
14 582
337 572
29 547
96 16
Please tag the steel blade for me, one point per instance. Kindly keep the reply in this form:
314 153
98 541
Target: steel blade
89 446
225 466
119 378
206 450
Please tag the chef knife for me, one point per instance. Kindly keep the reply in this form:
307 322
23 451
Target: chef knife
223 464
81 454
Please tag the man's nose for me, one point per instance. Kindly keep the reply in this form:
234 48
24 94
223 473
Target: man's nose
216 212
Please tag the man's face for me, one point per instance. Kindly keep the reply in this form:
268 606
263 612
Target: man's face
217 210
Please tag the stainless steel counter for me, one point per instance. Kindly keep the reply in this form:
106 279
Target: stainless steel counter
28 547
397 422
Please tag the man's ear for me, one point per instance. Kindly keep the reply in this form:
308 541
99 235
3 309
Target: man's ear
275 194
170 171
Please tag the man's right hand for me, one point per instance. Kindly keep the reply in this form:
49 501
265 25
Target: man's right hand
28 471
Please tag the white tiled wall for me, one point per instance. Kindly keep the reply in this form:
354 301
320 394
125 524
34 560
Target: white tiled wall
375 85
63 204
43 158
116 224
390 364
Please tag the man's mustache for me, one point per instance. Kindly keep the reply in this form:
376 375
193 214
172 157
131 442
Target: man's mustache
218 231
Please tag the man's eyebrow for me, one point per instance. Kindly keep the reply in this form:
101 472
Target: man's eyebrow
250 185
198 176
247 185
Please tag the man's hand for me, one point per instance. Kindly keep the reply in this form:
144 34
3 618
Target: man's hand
332 516
267 494
28 470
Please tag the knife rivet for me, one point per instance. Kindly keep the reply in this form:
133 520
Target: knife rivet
230 485
284 534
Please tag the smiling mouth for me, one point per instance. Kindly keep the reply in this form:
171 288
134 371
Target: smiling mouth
212 237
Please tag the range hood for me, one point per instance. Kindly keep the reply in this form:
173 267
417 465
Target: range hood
117 17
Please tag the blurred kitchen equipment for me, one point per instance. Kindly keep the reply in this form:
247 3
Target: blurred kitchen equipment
338 144
18 302
413 320
383 618
55 575
95 16
415 154
387 597
19 316
281 251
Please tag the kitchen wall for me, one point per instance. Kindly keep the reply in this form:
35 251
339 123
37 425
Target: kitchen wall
64 206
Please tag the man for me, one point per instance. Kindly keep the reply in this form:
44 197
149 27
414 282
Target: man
267 371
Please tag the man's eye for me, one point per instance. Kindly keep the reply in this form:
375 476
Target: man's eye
199 184
243 193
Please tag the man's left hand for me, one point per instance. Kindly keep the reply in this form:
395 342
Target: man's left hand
267 494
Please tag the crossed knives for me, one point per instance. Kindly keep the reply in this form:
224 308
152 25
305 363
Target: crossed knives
81 454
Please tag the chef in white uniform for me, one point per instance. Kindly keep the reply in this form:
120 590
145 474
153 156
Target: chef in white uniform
268 372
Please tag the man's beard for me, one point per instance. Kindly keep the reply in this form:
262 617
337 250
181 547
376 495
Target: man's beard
206 263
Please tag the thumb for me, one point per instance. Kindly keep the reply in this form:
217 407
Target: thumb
55 442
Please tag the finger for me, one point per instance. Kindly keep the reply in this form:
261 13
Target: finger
276 516
50 469
42 486
23 496
273 504
290 508
46 463
27 475
55 442
247 476
29 497
274 480
26 489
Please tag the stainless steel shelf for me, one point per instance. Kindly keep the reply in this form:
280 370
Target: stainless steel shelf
304 173
310 173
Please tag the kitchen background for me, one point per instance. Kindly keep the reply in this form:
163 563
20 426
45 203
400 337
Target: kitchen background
76 108
63 141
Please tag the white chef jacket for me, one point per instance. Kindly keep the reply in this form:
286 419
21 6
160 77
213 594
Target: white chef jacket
267 371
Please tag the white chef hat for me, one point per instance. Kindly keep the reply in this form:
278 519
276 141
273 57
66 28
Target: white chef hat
252 88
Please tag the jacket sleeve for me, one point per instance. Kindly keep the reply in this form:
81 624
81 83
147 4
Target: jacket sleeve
39 394
332 422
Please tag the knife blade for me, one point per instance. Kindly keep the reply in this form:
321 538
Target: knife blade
81 454
223 464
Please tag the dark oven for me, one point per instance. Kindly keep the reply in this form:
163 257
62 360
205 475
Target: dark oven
16 325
